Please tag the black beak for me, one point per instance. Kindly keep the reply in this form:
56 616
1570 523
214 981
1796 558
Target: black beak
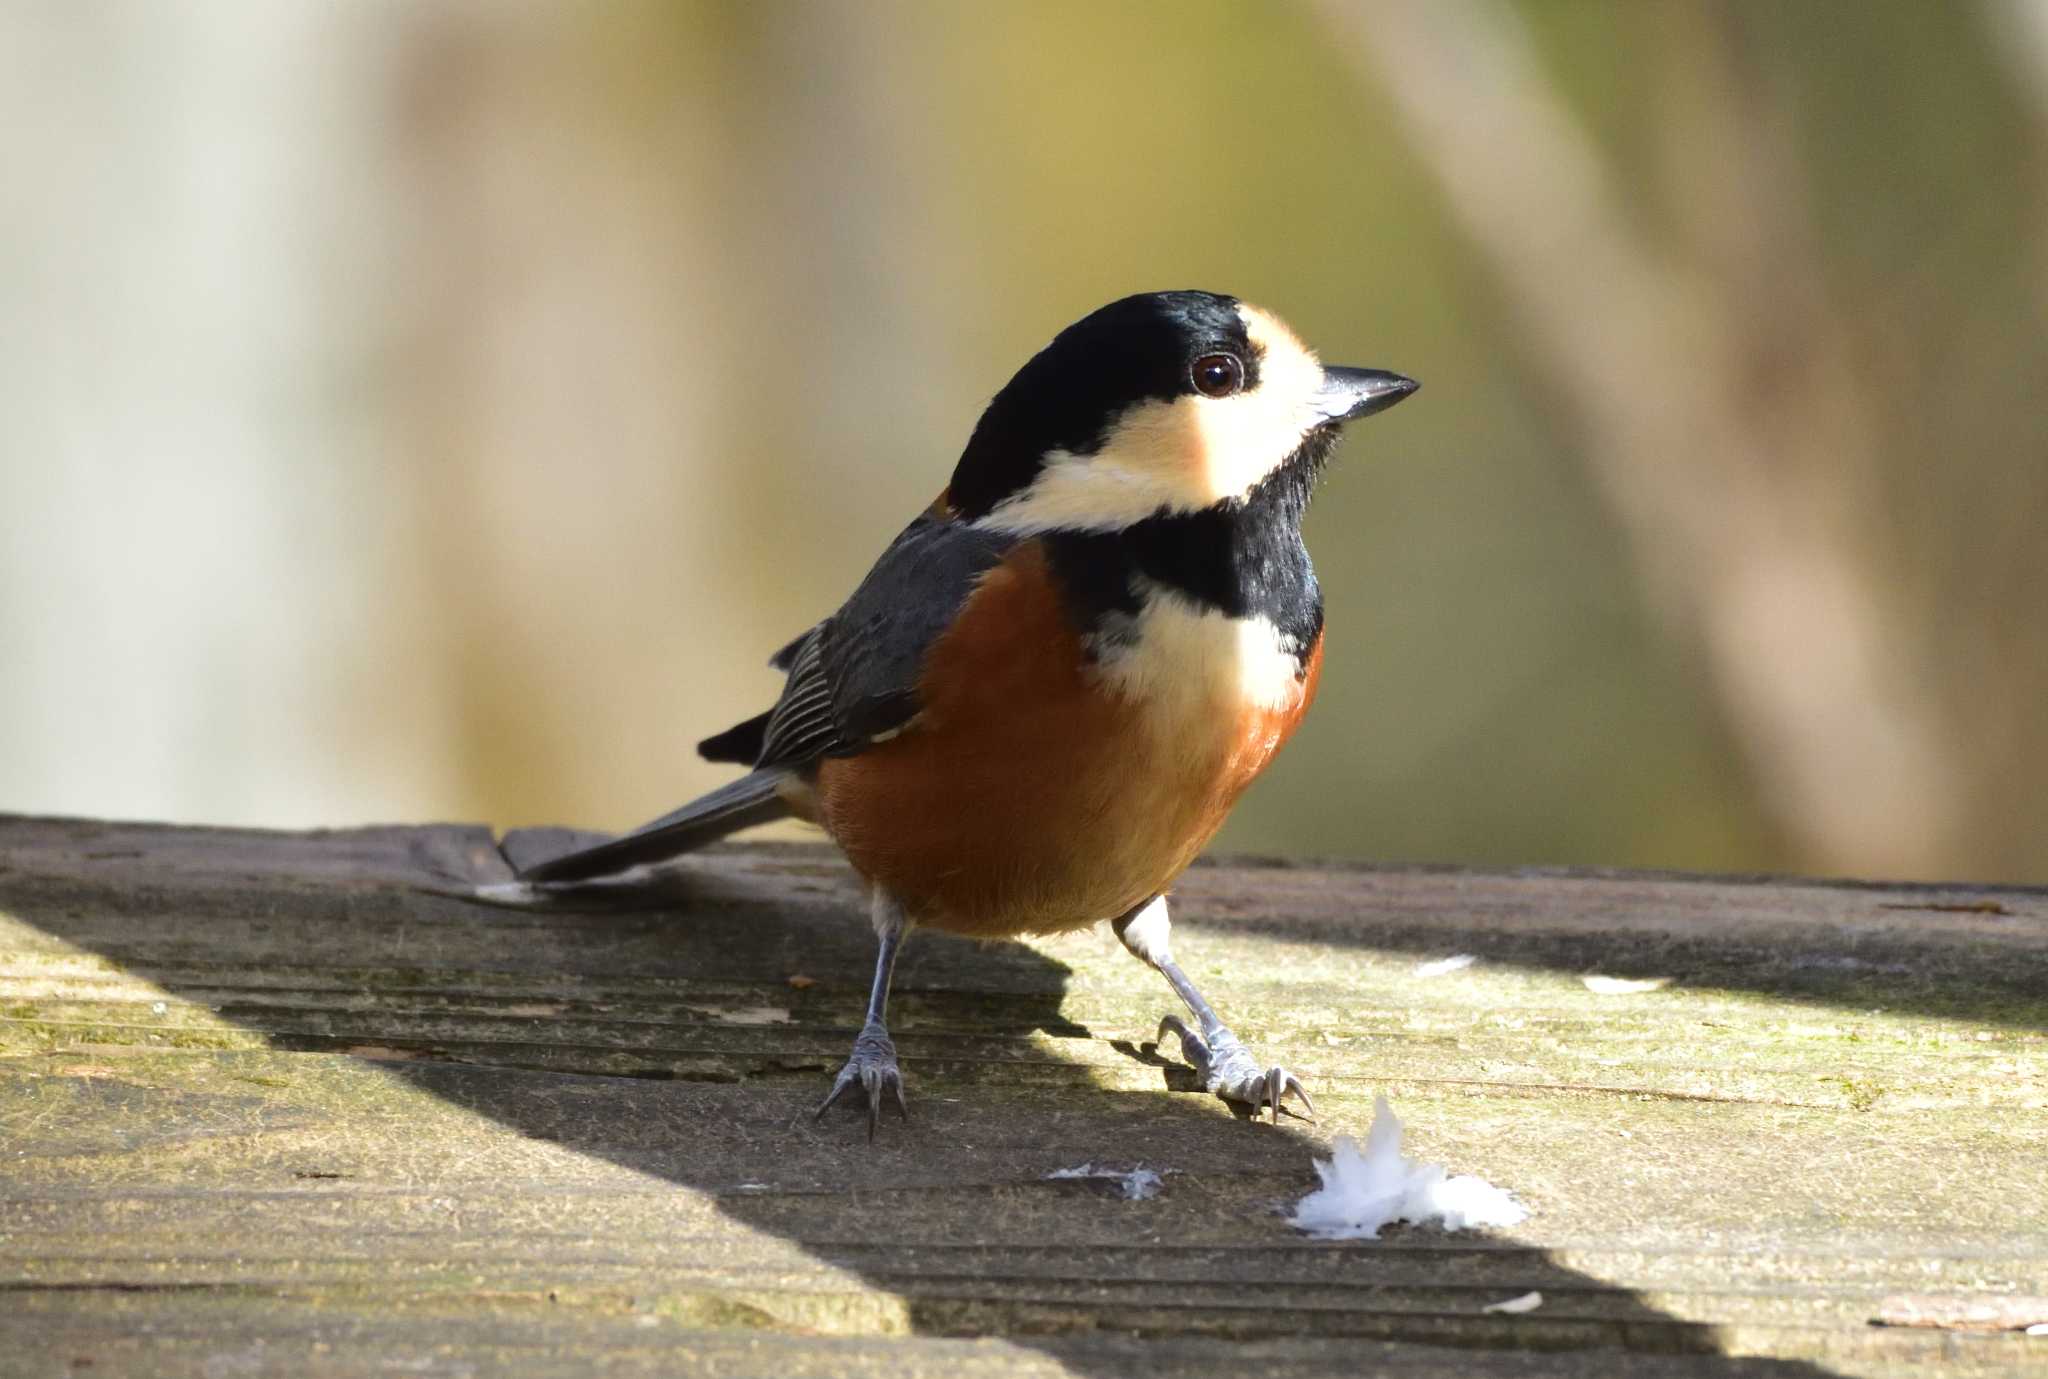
1349 394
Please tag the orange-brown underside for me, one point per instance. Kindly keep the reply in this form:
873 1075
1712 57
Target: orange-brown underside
1025 798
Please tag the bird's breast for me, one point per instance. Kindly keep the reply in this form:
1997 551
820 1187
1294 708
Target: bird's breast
1057 776
1192 673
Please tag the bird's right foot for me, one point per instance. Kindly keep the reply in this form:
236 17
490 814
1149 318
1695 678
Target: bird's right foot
1228 1069
872 1067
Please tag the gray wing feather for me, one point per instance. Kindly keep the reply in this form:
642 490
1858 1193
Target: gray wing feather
853 677
800 728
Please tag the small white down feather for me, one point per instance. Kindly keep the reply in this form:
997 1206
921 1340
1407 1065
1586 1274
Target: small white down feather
1363 1192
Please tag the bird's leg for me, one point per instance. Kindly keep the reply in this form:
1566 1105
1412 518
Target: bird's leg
873 1064
1226 1066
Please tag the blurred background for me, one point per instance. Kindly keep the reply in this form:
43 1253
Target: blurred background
417 411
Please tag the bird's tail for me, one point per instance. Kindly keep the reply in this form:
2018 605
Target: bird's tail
754 798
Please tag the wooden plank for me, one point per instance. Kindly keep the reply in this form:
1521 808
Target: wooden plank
278 1101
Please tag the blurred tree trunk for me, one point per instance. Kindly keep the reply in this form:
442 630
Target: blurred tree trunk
1720 415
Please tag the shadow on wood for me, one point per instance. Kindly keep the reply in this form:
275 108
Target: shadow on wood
217 1131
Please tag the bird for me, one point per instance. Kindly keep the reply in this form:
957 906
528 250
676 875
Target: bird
1044 698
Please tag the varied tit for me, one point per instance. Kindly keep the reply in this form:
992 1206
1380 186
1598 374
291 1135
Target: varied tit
1043 700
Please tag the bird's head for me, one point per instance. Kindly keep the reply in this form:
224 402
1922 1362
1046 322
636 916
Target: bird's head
1162 403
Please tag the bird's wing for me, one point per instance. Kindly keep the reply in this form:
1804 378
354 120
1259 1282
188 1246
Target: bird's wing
853 677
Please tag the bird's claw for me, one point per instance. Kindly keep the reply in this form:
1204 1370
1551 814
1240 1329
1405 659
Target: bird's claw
1228 1069
873 1067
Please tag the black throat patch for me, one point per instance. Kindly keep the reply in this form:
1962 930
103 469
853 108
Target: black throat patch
1246 559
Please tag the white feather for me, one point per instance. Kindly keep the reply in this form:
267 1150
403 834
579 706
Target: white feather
1190 662
1363 1192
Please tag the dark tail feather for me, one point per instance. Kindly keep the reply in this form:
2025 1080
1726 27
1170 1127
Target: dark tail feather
752 799
741 742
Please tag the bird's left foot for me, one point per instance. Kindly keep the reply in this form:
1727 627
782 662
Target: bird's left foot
872 1069
1228 1069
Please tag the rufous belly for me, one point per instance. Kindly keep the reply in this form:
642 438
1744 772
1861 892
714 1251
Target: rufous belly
1034 792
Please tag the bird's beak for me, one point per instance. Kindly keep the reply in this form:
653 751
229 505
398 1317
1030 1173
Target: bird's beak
1348 394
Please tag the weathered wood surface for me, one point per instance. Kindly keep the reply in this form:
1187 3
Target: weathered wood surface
269 1106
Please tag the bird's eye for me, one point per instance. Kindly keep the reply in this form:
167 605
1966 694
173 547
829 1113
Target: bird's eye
1218 375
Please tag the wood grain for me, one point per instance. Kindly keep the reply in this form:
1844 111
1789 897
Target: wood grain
283 1103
